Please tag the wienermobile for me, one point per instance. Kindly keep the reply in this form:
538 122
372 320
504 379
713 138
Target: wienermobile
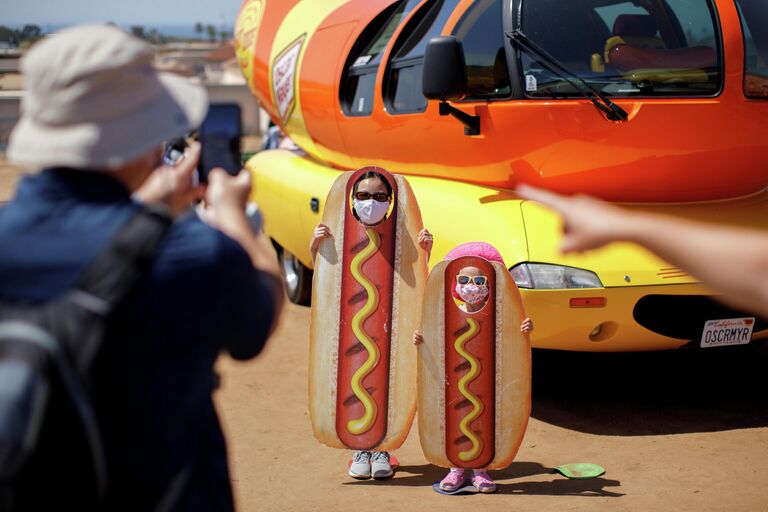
656 104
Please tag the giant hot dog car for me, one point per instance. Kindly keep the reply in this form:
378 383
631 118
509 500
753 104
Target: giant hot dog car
656 104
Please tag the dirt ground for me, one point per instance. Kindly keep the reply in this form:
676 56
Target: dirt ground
683 431
676 431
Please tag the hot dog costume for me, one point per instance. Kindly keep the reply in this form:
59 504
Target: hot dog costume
474 377
366 297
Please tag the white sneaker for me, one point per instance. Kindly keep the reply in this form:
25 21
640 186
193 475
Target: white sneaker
380 467
361 465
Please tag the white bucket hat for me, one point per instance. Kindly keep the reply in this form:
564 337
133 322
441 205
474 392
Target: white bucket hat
94 101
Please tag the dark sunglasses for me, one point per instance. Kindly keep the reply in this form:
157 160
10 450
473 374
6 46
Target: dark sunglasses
381 197
478 280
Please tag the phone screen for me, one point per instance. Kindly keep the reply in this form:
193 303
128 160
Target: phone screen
219 137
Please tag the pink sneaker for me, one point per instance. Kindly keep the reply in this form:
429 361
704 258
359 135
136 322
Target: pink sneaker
483 482
452 481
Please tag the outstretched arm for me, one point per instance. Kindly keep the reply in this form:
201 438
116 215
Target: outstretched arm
732 261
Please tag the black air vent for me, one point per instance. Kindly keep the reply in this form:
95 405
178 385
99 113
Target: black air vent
683 316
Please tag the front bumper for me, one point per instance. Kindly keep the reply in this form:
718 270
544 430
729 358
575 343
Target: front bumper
634 318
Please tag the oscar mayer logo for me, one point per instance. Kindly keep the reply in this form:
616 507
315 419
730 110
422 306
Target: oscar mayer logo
246 33
284 78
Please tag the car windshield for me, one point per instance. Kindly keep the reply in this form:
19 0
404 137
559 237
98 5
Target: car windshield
623 48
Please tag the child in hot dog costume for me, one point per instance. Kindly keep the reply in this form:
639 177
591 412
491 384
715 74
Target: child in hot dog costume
474 378
370 271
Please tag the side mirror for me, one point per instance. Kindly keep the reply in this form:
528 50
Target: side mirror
445 72
444 78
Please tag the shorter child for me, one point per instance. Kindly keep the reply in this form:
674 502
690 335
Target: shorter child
472 289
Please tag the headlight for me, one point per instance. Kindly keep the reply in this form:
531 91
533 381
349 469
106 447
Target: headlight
551 277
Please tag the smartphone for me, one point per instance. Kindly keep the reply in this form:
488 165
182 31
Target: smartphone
219 137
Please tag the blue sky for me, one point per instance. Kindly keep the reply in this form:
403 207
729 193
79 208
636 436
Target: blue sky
142 12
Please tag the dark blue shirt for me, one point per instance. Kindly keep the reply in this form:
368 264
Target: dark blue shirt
201 295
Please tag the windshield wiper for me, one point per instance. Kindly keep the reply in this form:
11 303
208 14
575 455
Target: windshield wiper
611 110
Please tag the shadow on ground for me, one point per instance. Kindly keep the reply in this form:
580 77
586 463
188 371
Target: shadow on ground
426 474
652 393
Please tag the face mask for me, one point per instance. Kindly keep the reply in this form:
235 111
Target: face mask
370 211
472 293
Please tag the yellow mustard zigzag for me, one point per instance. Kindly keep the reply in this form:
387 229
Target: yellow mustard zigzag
363 424
477 409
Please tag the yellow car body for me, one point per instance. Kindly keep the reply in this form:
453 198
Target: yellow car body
644 303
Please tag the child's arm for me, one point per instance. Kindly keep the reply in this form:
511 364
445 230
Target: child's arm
321 232
425 241
526 325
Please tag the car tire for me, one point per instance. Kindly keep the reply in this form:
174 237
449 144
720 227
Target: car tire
297 278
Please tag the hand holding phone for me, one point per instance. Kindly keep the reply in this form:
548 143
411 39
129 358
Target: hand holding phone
173 183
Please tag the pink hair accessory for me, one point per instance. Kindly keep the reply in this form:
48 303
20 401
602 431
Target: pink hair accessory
482 249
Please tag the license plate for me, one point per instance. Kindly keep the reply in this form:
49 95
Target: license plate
729 331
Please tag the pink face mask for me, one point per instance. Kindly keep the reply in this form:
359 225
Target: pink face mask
472 293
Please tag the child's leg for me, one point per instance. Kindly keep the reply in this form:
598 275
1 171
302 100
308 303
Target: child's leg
482 481
453 480
380 467
361 465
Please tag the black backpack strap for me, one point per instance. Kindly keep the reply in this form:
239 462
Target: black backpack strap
106 282
111 275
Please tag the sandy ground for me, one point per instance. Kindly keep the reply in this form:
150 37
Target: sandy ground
682 431
676 431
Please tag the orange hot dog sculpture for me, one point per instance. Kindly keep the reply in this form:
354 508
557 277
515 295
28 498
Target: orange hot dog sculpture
366 294
474 371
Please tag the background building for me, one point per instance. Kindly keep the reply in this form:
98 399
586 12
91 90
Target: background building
212 65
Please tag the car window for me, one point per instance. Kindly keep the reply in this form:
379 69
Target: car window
362 65
754 24
403 79
624 48
481 33
609 13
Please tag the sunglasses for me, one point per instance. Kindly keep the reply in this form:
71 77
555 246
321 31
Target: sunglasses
381 197
478 280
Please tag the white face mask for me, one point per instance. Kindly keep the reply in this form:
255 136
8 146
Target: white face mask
472 293
370 211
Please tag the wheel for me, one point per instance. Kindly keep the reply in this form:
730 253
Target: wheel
296 277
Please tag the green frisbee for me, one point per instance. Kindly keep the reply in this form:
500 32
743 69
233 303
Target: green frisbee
580 470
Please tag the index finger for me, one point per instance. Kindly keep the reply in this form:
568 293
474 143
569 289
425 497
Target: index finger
555 201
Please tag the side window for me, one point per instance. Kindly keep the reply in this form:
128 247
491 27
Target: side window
753 14
402 91
481 33
359 77
624 48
